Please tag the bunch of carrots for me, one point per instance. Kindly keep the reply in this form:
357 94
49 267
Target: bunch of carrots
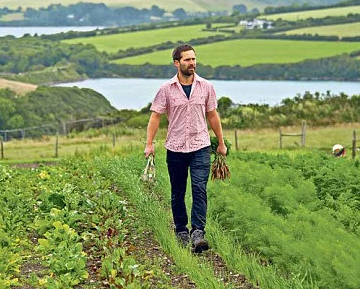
219 168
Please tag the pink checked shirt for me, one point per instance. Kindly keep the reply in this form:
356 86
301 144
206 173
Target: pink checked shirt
187 130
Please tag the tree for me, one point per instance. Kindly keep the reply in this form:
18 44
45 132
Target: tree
224 104
156 11
180 14
241 8
16 121
7 107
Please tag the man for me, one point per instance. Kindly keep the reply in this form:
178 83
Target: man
189 102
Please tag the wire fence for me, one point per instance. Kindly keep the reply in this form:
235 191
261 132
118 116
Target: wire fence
53 129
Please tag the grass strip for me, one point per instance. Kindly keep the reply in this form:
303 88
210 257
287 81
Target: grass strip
126 173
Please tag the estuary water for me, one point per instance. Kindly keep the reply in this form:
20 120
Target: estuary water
136 93
32 30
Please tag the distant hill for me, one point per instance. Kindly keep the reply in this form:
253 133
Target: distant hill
50 106
171 5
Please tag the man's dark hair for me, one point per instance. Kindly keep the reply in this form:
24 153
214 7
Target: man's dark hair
176 55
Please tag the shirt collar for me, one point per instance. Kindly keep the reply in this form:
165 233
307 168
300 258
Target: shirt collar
175 79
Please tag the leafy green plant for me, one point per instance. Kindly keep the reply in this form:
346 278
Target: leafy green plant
120 271
275 210
9 267
215 143
64 254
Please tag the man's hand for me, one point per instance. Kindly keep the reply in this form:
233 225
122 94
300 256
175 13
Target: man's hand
222 149
149 149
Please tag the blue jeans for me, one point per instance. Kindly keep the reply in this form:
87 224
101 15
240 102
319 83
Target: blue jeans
178 167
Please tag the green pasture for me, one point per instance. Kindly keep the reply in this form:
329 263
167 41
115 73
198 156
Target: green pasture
341 30
168 5
247 52
12 17
112 43
320 13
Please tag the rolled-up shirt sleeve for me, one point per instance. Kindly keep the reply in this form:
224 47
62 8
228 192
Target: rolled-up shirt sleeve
211 102
159 104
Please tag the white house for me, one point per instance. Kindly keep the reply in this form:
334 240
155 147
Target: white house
256 23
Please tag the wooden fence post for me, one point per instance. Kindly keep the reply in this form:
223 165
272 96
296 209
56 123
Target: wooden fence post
303 134
2 147
236 141
57 145
64 128
354 145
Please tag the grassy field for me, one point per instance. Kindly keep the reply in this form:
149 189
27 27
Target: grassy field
266 140
18 87
321 13
168 5
112 43
250 52
12 17
341 30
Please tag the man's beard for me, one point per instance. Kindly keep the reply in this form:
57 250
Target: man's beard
187 72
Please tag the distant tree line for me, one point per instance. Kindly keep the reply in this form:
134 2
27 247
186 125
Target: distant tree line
341 68
317 109
92 14
282 25
5 11
306 6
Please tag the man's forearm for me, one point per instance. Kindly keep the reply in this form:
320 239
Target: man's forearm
153 127
215 124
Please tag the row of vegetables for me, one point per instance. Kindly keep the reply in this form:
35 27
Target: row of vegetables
64 226
300 214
